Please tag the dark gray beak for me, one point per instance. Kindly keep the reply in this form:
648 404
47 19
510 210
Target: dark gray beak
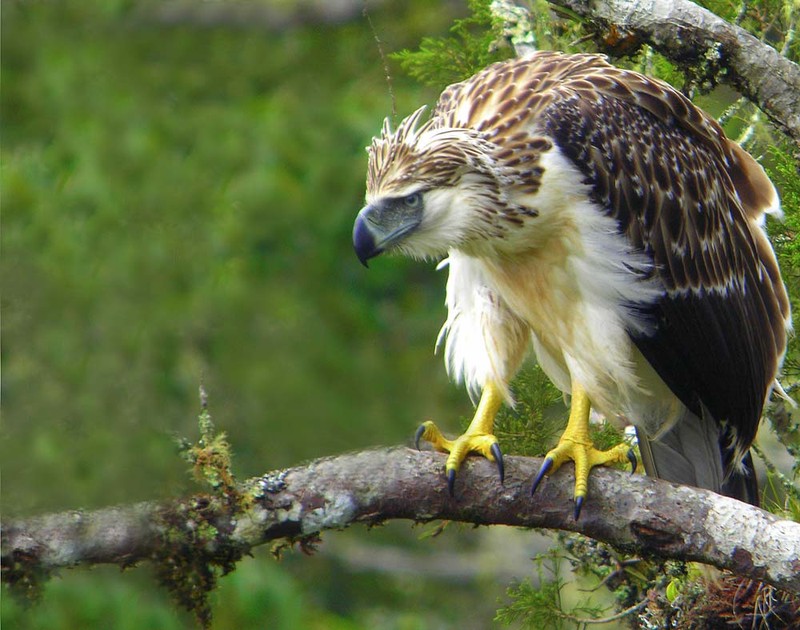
364 240
378 227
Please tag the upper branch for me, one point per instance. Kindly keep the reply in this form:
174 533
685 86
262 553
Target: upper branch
634 513
692 36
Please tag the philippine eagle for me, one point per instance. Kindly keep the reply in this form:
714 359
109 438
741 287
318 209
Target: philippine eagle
599 217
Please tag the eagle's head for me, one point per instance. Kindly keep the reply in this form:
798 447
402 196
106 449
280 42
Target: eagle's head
432 188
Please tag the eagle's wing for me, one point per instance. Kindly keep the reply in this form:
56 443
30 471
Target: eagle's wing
694 202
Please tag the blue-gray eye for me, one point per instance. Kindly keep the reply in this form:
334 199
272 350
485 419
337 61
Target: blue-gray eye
414 200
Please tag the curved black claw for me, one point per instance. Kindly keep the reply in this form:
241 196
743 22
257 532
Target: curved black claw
632 460
451 481
498 459
578 506
418 435
546 466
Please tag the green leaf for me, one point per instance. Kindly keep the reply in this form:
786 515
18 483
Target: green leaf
473 46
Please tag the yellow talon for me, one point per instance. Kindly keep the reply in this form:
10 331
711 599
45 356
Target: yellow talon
576 445
478 437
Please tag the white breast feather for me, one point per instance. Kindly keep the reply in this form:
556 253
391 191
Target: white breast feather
569 295
483 340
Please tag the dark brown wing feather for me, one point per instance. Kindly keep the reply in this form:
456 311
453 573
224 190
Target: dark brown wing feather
688 198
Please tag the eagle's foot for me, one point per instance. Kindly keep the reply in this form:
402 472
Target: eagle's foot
576 445
470 442
580 450
478 438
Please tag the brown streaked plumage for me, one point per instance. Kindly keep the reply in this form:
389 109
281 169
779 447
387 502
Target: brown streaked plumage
601 215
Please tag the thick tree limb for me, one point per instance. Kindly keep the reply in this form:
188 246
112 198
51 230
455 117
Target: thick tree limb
692 36
633 513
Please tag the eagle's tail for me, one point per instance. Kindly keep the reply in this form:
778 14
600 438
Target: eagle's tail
742 483
691 453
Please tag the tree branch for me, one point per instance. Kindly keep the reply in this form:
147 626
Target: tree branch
633 513
692 37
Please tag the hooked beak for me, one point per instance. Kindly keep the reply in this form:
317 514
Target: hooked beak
378 227
364 240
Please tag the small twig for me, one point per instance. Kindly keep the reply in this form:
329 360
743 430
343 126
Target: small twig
791 30
785 482
742 13
621 566
745 139
386 71
732 110
589 621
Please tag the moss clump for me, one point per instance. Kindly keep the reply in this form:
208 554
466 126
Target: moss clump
196 544
196 551
25 577
211 456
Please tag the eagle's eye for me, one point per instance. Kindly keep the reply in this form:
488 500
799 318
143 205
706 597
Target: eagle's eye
413 201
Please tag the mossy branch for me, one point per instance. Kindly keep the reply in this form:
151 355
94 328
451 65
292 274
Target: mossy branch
695 39
634 513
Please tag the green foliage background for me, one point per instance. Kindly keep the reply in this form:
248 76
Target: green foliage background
177 206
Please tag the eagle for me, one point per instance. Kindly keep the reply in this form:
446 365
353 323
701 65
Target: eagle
598 217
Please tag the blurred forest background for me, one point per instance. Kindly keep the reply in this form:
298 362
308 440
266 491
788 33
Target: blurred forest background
179 183
178 197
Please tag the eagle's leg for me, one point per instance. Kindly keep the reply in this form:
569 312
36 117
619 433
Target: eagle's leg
478 437
575 444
